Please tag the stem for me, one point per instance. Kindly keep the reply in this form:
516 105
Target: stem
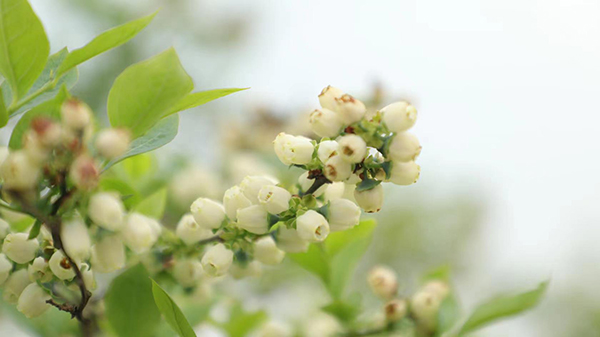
216 238
320 180
17 105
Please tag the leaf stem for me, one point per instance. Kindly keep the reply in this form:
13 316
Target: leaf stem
17 105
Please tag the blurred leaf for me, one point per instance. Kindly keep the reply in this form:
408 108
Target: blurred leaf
124 189
161 134
130 307
24 46
198 98
448 315
50 109
171 312
145 92
367 184
346 311
3 111
154 205
338 240
138 166
441 273
314 260
22 224
502 307
242 322
35 230
109 39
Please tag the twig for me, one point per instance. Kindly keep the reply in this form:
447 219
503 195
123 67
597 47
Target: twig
215 238
320 180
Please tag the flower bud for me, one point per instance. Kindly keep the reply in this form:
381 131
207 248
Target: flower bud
234 199
251 269
275 199
3 154
305 184
208 213
424 307
88 276
76 240
18 248
187 272
190 232
328 96
343 214
4 229
383 282
113 142
327 149
312 226
325 123
75 114
405 173
323 325
217 260
15 285
60 266
399 116
404 147
253 219
353 148
289 241
350 109
106 210
32 301
39 270
293 149
140 232
84 173
266 251
35 150
370 200
274 329
5 268
19 172
193 182
337 169
251 185
48 132
395 310
108 255
438 288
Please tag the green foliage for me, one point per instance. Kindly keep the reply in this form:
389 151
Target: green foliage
198 98
130 307
24 46
448 315
502 307
130 195
171 312
242 322
154 205
367 184
3 110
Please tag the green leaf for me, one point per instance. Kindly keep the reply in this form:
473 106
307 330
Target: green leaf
344 263
242 322
35 230
154 205
3 111
130 307
139 166
441 273
448 315
123 188
347 310
50 109
338 240
198 98
171 312
109 39
161 134
146 92
24 46
314 260
367 184
502 307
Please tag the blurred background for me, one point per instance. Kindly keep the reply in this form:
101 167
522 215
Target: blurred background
507 93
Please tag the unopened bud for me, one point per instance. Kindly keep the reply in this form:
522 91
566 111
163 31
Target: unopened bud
350 109
5 268
48 132
4 229
439 288
399 116
106 210
327 149
395 310
234 199
140 232
325 123
275 199
19 248
75 114
312 226
35 150
60 266
370 200
39 270
253 219
113 142
343 214
88 276
352 148
208 213
293 149
84 173
217 260
266 251
383 282
404 147
76 240
424 306
19 172
328 96
190 232
251 185
289 241
337 169
405 173
187 272
15 285
32 301
108 255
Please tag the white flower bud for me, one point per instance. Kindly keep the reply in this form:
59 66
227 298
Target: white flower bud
5 268
49 134
334 191
76 240
39 270
343 214
352 148
438 288
293 149
18 248
253 219
323 325
325 123
217 260
370 200
190 232
88 276
15 285
19 172
395 310
208 213
312 226
337 169
4 229
3 154
188 272
306 183
327 149
266 251
234 199
328 96
251 185
75 114
84 173
108 255
34 148
107 211
32 301
424 306
383 282
60 266
350 109
404 147
113 142
140 233
405 173
193 182
399 116
274 329
289 241
275 199
251 269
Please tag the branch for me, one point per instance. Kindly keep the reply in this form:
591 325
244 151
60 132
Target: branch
320 180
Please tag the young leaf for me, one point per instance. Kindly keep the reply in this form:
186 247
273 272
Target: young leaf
314 260
198 98
3 110
171 312
242 322
154 205
24 46
35 230
344 263
336 241
130 307
448 315
145 92
109 39
502 307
